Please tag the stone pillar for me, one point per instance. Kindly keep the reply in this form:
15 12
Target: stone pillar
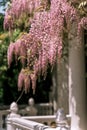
31 109
77 88
60 86
63 89
54 95
61 120
13 114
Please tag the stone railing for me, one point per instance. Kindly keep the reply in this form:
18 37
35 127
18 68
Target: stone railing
43 109
15 121
47 120
4 111
51 122
28 124
3 114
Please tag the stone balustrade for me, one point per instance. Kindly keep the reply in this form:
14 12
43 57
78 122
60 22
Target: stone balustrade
3 114
26 123
51 122
14 120
43 109
46 119
23 124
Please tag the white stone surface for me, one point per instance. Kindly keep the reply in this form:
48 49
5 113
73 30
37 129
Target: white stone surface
77 88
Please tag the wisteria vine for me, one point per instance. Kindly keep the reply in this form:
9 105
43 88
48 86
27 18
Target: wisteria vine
42 45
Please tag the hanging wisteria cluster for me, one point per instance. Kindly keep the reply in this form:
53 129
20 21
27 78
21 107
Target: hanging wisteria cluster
43 44
19 11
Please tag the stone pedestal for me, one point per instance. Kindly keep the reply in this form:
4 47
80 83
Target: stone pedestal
13 113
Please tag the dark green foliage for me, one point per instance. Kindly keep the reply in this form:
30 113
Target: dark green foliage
1 22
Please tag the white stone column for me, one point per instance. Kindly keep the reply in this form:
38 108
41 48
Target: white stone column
77 89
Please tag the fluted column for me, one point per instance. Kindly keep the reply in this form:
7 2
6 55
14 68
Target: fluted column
77 88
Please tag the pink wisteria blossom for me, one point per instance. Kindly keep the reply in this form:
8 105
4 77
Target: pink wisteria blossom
43 44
